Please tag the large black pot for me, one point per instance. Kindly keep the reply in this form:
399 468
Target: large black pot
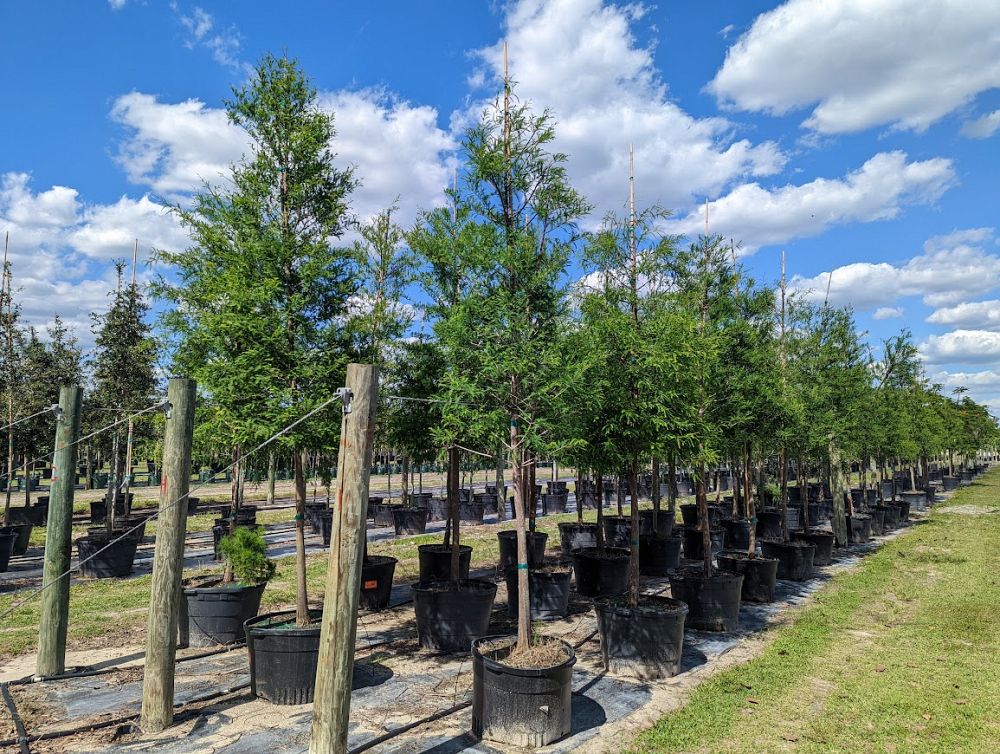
664 523
891 517
471 512
283 657
689 514
22 539
950 483
823 540
435 562
96 562
216 614
451 615
384 513
795 559
573 536
713 602
7 538
737 534
507 541
376 581
693 542
489 502
524 707
437 509
192 504
759 574
769 524
859 528
644 641
554 503
910 500
548 593
618 531
877 514
659 555
409 520
600 573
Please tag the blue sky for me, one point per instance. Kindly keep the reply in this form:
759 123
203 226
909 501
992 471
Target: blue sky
858 135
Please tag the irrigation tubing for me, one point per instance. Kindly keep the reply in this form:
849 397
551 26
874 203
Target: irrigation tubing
22 733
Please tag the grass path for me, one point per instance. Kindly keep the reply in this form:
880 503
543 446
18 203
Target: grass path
899 655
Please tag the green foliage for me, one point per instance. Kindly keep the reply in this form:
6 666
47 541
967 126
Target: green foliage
246 552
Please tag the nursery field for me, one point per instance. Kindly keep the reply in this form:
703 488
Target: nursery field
899 655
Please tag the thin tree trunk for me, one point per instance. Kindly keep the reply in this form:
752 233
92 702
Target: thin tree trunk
501 486
656 495
633 561
301 595
453 486
599 493
701 497
272 473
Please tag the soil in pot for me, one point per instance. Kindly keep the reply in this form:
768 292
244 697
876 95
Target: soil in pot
283 657
103 558
659 555
601 573
645 641
215 612
507 541
795 559
435 562
759 574
693 549
859 529
452 614
769 524
377 572
548 592
824 545
737 534
525 700
409 520
713 601
573 536
7 539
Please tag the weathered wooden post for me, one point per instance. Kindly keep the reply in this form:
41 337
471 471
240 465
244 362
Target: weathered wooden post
332 703
51 659
168 559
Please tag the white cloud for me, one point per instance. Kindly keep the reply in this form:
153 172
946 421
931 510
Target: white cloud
888 312
985 380
982 128
962 347
953 267
580 59
878 190
117 4
108 231
202 32
979 315
864 63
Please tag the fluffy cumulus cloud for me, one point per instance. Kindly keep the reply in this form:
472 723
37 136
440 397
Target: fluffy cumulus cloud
580 59
962 347
987 379
878 190
977 315
864 63
983 127
888 312
953 268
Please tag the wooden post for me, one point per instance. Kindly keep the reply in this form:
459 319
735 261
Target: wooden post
168 559
332 702
54 620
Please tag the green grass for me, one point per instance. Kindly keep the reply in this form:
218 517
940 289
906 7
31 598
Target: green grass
898 655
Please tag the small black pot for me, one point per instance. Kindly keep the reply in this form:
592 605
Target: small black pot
737 534
216 614
645 641
108 563
7 539
507 541
795 559
759 574
376 581
664 523
859 529
659 555
409 520
600 573
573 536
98 512
769 524
713 602
823 540
471 512
523 707
283 657
435 562
451 615
548 593
326 526
693 542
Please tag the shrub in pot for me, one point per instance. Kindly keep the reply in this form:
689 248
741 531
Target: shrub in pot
217 608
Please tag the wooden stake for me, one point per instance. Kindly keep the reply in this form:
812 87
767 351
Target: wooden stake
52 625
168 559
135 256
6 293
332 702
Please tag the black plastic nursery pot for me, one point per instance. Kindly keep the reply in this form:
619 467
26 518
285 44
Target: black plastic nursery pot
659 555
507 541
116 560
664 523
859 529
759 574
877 514
950 483
891 517
283 657
98 512
377 572
6 548
617 531
693 542
713 601
644 641
769 524
554 503
489 502
689 514
911 501
795 559
471 512
548 592
556 487
384 513
573 536
452 614
823 540
525 707
601 573
22 538
216 613
409 520
737 534
435 562
326 526
193 505
437 509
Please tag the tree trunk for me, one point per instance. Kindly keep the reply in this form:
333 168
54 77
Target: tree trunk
301 595
701 497
599 494
111 515
671 483
748 493
272 473
501 486
405 486
839 521
656 495
453 486
633 559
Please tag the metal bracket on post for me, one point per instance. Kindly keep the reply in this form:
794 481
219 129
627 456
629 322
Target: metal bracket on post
57 410
345 395
167 408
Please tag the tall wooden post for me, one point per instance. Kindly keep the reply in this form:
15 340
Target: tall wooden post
54 620
332 703
168 559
